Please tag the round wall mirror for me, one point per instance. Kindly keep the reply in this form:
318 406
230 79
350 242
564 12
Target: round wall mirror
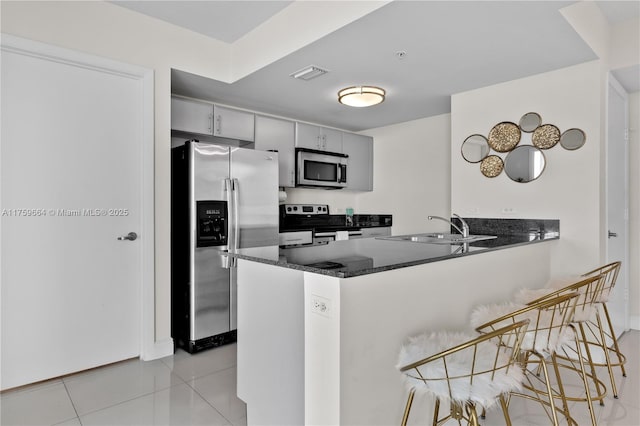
504 136
546 136
573 139
475 148
530 121
524 164
491 166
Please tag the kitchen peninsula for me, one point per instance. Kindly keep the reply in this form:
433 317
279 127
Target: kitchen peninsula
320 327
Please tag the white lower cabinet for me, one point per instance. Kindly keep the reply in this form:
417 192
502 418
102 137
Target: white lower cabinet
359 148
273 134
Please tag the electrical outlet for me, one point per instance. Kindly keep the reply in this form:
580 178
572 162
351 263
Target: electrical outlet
508 210
320 305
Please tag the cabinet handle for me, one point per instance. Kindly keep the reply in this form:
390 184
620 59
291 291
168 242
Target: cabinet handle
210 128
218 124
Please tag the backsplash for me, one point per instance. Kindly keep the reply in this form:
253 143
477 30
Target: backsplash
499 226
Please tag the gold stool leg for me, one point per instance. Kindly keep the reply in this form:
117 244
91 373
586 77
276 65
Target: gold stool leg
407 408
473 415
505 410
593 368
436 411
607 357
552 404
565 405
615 339
584 376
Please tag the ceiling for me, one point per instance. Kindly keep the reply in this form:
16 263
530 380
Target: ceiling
223 20
451 47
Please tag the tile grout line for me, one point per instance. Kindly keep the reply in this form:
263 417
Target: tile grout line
205 399
127 400
71 400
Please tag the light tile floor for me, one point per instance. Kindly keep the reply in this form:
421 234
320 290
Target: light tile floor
200 389
181 389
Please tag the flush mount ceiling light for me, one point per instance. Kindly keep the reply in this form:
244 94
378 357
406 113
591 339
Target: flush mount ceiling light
308 72
361 96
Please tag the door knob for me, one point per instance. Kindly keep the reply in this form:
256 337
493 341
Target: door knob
612 234
131 236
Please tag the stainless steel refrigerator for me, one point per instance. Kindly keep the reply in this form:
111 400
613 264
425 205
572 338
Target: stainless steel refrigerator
222 198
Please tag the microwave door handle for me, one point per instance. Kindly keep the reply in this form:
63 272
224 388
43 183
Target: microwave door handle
342 176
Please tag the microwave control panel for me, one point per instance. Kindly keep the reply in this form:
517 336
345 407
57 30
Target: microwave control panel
211 220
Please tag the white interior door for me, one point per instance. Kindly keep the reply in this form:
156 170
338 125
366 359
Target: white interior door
617 200
71 184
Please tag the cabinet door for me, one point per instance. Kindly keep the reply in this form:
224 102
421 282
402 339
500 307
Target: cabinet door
308 136
191 116
331 140
233 123
273 134
359 148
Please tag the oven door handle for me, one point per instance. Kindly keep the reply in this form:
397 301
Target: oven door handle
325 234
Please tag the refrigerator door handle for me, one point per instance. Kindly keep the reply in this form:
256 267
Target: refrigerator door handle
236 222
228 189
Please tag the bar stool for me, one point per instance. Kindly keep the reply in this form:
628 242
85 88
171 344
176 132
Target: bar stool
602 336
549 329
466 371
589 292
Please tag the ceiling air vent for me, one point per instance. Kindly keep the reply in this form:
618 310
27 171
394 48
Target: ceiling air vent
309 72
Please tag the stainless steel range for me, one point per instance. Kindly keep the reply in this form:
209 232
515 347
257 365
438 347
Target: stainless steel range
302 224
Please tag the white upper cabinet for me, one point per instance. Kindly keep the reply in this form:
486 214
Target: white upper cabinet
233 124
359 148
316 137
273 134
191 116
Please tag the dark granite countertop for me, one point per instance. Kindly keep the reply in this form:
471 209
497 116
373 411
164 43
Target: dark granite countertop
350 258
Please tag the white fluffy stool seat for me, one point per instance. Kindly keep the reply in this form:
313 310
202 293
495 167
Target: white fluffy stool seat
463 370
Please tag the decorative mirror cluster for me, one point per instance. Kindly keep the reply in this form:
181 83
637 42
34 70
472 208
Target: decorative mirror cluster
523 163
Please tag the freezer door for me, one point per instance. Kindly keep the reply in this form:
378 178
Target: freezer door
210 306
255 179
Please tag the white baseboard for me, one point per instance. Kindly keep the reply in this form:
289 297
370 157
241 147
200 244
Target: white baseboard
634 322
160 349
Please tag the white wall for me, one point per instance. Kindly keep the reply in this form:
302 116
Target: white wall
634 210
114 32
569 188
107 30
410 177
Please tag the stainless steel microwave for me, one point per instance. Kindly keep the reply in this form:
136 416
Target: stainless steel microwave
321 169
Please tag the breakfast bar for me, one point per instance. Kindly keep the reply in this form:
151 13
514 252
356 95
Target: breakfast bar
320 326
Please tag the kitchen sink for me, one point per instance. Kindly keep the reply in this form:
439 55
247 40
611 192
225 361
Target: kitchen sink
439 238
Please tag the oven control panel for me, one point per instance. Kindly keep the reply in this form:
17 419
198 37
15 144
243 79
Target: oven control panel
305 209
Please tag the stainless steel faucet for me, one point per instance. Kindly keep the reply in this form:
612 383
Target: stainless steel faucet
465 227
